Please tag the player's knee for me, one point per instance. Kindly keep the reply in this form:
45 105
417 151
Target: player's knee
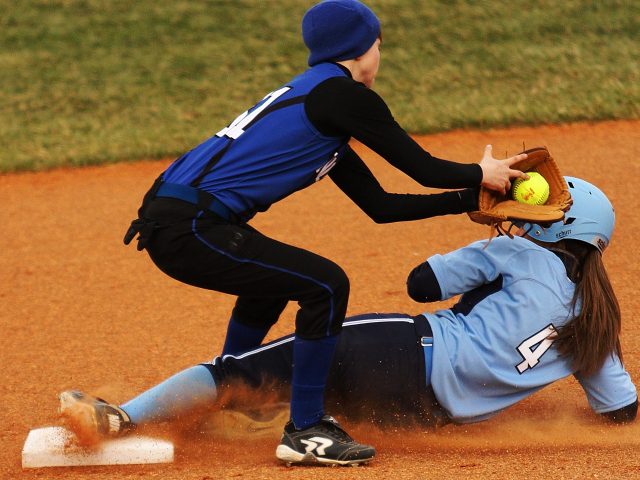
340 297
333 282
342 285
324 306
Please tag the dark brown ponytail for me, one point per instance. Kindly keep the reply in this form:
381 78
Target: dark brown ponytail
594 332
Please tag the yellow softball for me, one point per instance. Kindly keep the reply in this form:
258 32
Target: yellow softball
534 191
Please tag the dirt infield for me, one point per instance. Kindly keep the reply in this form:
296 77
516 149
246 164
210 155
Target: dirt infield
78 309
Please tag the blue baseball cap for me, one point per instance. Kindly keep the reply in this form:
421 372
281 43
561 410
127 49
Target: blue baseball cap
335 30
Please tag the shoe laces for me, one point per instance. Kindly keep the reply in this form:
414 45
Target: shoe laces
330 424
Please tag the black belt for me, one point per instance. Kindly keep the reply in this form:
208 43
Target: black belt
144 227
203 199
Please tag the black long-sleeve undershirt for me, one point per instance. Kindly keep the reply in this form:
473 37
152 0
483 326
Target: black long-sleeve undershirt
353 177
341 106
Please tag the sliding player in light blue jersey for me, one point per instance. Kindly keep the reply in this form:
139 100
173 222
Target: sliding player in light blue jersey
534 309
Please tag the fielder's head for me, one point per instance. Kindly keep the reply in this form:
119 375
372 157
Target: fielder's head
590 219
336 30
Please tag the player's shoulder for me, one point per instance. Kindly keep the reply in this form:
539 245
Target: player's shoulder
506 249
341 86
346 89
344 98
318 75
526 258
512 244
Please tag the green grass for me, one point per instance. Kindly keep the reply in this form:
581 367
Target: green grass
87 82
505 63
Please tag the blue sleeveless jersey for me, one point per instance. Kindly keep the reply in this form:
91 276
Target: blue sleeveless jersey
498 353
265 154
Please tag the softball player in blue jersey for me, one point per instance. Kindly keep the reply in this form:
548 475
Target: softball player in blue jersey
194 220
533 310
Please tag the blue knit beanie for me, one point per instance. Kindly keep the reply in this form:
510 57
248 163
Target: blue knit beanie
335 30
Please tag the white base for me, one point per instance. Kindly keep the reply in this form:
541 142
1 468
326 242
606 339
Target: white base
53 447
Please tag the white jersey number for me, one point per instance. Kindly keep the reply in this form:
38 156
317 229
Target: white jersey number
326 168
543 339
236 128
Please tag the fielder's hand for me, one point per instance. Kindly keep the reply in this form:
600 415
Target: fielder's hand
497 174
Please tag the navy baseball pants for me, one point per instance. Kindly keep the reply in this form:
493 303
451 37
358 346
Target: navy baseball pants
377 374
199 248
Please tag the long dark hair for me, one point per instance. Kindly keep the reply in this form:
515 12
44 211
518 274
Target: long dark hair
594 331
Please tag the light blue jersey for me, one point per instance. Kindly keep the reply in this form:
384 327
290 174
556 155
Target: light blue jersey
492 355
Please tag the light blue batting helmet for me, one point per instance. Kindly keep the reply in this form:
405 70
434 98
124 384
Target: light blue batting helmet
590 218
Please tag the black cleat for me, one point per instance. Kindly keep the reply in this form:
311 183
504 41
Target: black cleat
324 443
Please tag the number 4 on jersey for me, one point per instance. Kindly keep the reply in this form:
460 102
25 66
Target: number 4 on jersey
238 126
543 339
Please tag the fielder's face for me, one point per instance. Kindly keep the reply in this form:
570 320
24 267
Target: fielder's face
366 65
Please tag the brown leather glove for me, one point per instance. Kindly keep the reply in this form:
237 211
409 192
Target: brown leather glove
495 208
